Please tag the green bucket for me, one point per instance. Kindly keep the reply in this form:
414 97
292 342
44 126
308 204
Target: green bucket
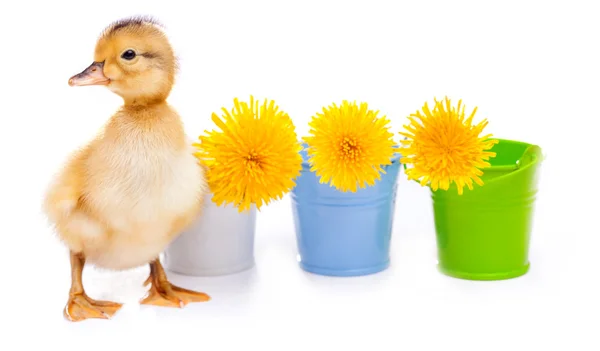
484 234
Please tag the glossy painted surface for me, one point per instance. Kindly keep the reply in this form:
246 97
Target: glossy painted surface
220 242
344 234
484 234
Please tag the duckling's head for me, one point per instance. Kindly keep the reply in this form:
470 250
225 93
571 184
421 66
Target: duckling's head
134 59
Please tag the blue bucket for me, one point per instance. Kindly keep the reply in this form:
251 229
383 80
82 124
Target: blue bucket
344 234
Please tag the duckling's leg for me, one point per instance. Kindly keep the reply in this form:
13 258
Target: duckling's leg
81 306
163 293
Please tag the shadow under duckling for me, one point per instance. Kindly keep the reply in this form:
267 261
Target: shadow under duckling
123 197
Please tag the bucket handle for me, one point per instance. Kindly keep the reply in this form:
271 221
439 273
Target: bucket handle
532 154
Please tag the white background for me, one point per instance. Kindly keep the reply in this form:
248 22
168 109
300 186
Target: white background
532 68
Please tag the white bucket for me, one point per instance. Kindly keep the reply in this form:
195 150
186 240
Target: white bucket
219 242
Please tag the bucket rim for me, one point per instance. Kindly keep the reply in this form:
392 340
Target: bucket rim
536 150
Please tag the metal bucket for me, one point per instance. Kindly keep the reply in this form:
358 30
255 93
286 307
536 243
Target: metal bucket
484 234
219 242
344 234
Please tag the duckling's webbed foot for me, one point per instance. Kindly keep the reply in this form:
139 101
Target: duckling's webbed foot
80 306
163 293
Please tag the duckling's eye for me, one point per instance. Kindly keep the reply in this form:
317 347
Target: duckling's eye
128 55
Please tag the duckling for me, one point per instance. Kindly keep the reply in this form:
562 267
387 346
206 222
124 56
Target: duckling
121 199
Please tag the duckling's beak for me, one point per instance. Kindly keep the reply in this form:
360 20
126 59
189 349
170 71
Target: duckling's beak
93 75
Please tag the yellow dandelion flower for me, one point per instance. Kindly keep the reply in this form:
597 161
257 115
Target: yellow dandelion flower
254 158
348 146
444 148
